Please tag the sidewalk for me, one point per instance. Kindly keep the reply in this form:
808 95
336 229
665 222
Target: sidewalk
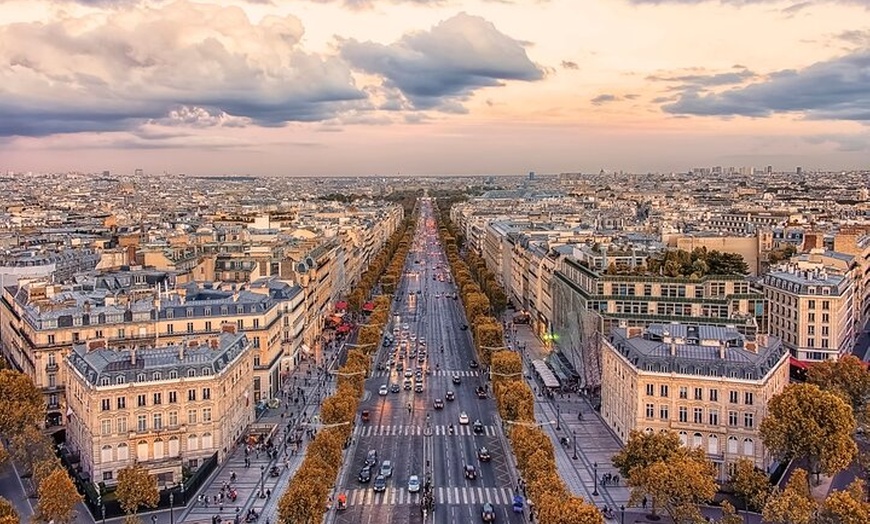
256 489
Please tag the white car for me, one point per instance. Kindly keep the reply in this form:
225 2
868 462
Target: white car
408 373
463 418
414 484
385 390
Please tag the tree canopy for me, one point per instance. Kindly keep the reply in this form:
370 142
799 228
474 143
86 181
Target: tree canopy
57 497
136 488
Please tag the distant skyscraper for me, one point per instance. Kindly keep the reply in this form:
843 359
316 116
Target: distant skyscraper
138 172
768 170
531 175
799 170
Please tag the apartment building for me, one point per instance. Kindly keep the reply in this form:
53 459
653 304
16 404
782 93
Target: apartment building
165 408
812 311
709 384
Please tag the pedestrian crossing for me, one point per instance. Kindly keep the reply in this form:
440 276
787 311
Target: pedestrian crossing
399 430
443 495
439 373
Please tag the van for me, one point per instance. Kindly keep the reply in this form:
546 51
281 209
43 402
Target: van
372 458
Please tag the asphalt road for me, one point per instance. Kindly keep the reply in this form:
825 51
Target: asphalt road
418 441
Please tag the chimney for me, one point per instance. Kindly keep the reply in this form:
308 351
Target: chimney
133 355
722 348
181 351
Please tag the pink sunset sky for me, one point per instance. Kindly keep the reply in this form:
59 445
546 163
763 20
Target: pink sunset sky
359 87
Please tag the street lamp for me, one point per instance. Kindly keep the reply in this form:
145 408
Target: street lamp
575 444
595 475
622 514
103 511
558 426
262 481
171 504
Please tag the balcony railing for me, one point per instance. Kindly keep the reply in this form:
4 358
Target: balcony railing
51 367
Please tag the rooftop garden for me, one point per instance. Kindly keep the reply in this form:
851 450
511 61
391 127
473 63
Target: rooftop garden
678 263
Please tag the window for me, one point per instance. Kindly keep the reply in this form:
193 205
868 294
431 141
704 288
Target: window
699 394
121 424
208 324
105 404
107 475
256 323
206 415
206 393
732 419
123 452
191 395
190 327
156 375
811 304
188 312
663 412
240 323
684 438
650 389
173 397
52 380
712 444
826 318
684 414
732 445
714 395
826 305
684 392
191 416
748 447
748 398
698 416
748 420
158 399
191 372
51 340
663 390
140 400
158 421
140 377
650 411
121 333
811 317
173 419
122 402
732 397
697 440
170 329
141 423
256 361
120 379
714 417
106 427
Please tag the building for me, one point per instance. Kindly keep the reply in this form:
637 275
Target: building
812 311
709 384
166 408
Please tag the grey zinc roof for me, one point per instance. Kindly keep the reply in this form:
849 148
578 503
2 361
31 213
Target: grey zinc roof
113 363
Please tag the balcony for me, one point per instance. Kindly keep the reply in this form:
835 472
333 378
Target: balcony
51 367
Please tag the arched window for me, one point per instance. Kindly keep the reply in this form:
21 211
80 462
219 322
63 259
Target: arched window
191 372
142 451
174 447
648 431
159 448
207 441
173 374
140 377
748 447
206 371
697 440
732 445
713 444
106 454
156 375
104 381
684 438
192 443
123 452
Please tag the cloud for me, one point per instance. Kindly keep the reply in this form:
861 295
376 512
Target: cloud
796 8
859 37
113 72
741 3
845 142
837 89
603 99
441 68
717 79
567 64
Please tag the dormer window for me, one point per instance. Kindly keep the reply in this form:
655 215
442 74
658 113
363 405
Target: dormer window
120 379
156 375
191 372
140 377
173 374
170 313
206 371
104 381
189 312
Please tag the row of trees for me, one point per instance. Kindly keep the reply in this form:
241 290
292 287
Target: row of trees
378 270
305 499
533 449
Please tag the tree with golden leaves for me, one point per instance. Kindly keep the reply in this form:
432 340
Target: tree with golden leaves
136 489
805 422
676 485
57 498
8 515
846 507
793 505
847 377
506 365
730 515
21 403
567 510
643 449
750 484
515 401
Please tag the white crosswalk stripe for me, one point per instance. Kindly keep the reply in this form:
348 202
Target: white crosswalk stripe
460 430
399 375
376 430
394 496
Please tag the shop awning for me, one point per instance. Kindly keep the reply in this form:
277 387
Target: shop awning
546 374
798 363
341 304
369 306
344 328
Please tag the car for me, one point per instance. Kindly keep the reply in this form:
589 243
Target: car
380 483
483 455
421 359
438 404
365 474
406 385
451 396
399 366
394 387
372 458
409 373
456 379
418 387
365 416
478 427
463 418
481 392
413 484
383 391
487 513
470 472
473 364
387 469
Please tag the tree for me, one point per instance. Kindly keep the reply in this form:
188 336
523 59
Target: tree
21 403
750 484
677 485
846 507
793 505
515 401
567 510
8 515
136 488
847 377
730 515
643 449
57 497
805 422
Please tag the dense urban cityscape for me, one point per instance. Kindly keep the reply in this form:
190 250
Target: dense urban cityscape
577 348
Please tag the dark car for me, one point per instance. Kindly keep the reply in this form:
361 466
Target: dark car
481 392
438 404
483 455
365 474
470 472
450 395
473 364
478 427
456 379
464 327
487 513
380 483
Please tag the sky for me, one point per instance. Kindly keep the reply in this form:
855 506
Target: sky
387 87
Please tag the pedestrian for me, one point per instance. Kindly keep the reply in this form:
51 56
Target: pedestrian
643 503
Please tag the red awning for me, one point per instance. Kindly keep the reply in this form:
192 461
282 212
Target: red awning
798 363
344 328
369 306
341 304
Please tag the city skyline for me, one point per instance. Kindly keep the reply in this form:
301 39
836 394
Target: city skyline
385 87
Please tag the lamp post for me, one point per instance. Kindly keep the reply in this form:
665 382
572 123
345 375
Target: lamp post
103 511
183 497
558 426
622 514
262 481
595 477
171 504
575 444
